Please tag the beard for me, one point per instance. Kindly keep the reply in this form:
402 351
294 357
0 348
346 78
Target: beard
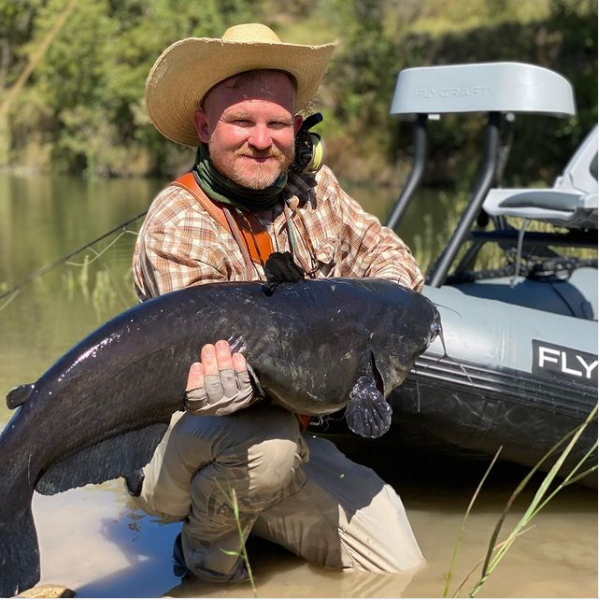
257 176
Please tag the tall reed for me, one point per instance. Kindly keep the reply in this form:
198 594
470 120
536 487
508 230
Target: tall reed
545 493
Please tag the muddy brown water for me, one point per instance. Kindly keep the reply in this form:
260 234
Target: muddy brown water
95 540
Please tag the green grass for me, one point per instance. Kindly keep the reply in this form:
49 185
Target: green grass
546 492
233 503
439 17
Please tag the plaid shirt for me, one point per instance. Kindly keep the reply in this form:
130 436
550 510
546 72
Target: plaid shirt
180 244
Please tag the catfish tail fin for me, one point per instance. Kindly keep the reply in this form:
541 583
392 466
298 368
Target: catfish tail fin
19 551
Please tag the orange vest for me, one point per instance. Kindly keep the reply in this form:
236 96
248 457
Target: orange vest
242 225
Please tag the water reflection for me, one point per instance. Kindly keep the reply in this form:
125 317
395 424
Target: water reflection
92 539
287 577
95 541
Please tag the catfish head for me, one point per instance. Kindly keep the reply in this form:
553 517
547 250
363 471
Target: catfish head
392 355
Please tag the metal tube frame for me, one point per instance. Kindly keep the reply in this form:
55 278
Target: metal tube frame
416 174
438 273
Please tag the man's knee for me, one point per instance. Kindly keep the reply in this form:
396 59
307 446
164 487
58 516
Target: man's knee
197 441
257 473
267 450
272 464
256 453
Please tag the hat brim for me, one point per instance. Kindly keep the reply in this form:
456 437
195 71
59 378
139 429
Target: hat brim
189 68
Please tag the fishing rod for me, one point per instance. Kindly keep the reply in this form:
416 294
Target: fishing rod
60 261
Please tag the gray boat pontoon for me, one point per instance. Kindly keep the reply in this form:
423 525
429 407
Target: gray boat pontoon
521 363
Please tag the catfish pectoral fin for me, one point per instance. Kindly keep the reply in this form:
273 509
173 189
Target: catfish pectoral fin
368 414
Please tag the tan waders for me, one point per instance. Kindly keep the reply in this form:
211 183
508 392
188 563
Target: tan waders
293 489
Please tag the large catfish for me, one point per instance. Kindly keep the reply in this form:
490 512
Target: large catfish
100 411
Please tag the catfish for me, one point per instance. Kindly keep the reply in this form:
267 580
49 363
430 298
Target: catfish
316 346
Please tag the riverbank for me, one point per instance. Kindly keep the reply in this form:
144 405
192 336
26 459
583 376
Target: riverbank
88 118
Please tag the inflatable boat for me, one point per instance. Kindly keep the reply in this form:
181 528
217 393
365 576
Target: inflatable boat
519 363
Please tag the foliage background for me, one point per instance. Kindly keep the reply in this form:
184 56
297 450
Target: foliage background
82 110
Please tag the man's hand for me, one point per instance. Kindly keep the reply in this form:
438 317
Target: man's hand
220 383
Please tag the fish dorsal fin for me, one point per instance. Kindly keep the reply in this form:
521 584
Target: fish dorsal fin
19 395
368 414
281 268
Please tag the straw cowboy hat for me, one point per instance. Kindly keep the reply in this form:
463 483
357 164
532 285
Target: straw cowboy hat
189 68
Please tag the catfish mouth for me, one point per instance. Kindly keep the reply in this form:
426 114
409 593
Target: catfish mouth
377 376
436 330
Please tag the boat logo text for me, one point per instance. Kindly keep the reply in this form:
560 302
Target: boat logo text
564 362
453 92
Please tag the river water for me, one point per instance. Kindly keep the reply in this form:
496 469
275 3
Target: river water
95 541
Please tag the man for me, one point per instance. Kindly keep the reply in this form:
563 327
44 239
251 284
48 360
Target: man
237 98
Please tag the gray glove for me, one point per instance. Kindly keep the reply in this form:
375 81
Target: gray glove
223 394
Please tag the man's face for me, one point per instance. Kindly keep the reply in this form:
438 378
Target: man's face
249 126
